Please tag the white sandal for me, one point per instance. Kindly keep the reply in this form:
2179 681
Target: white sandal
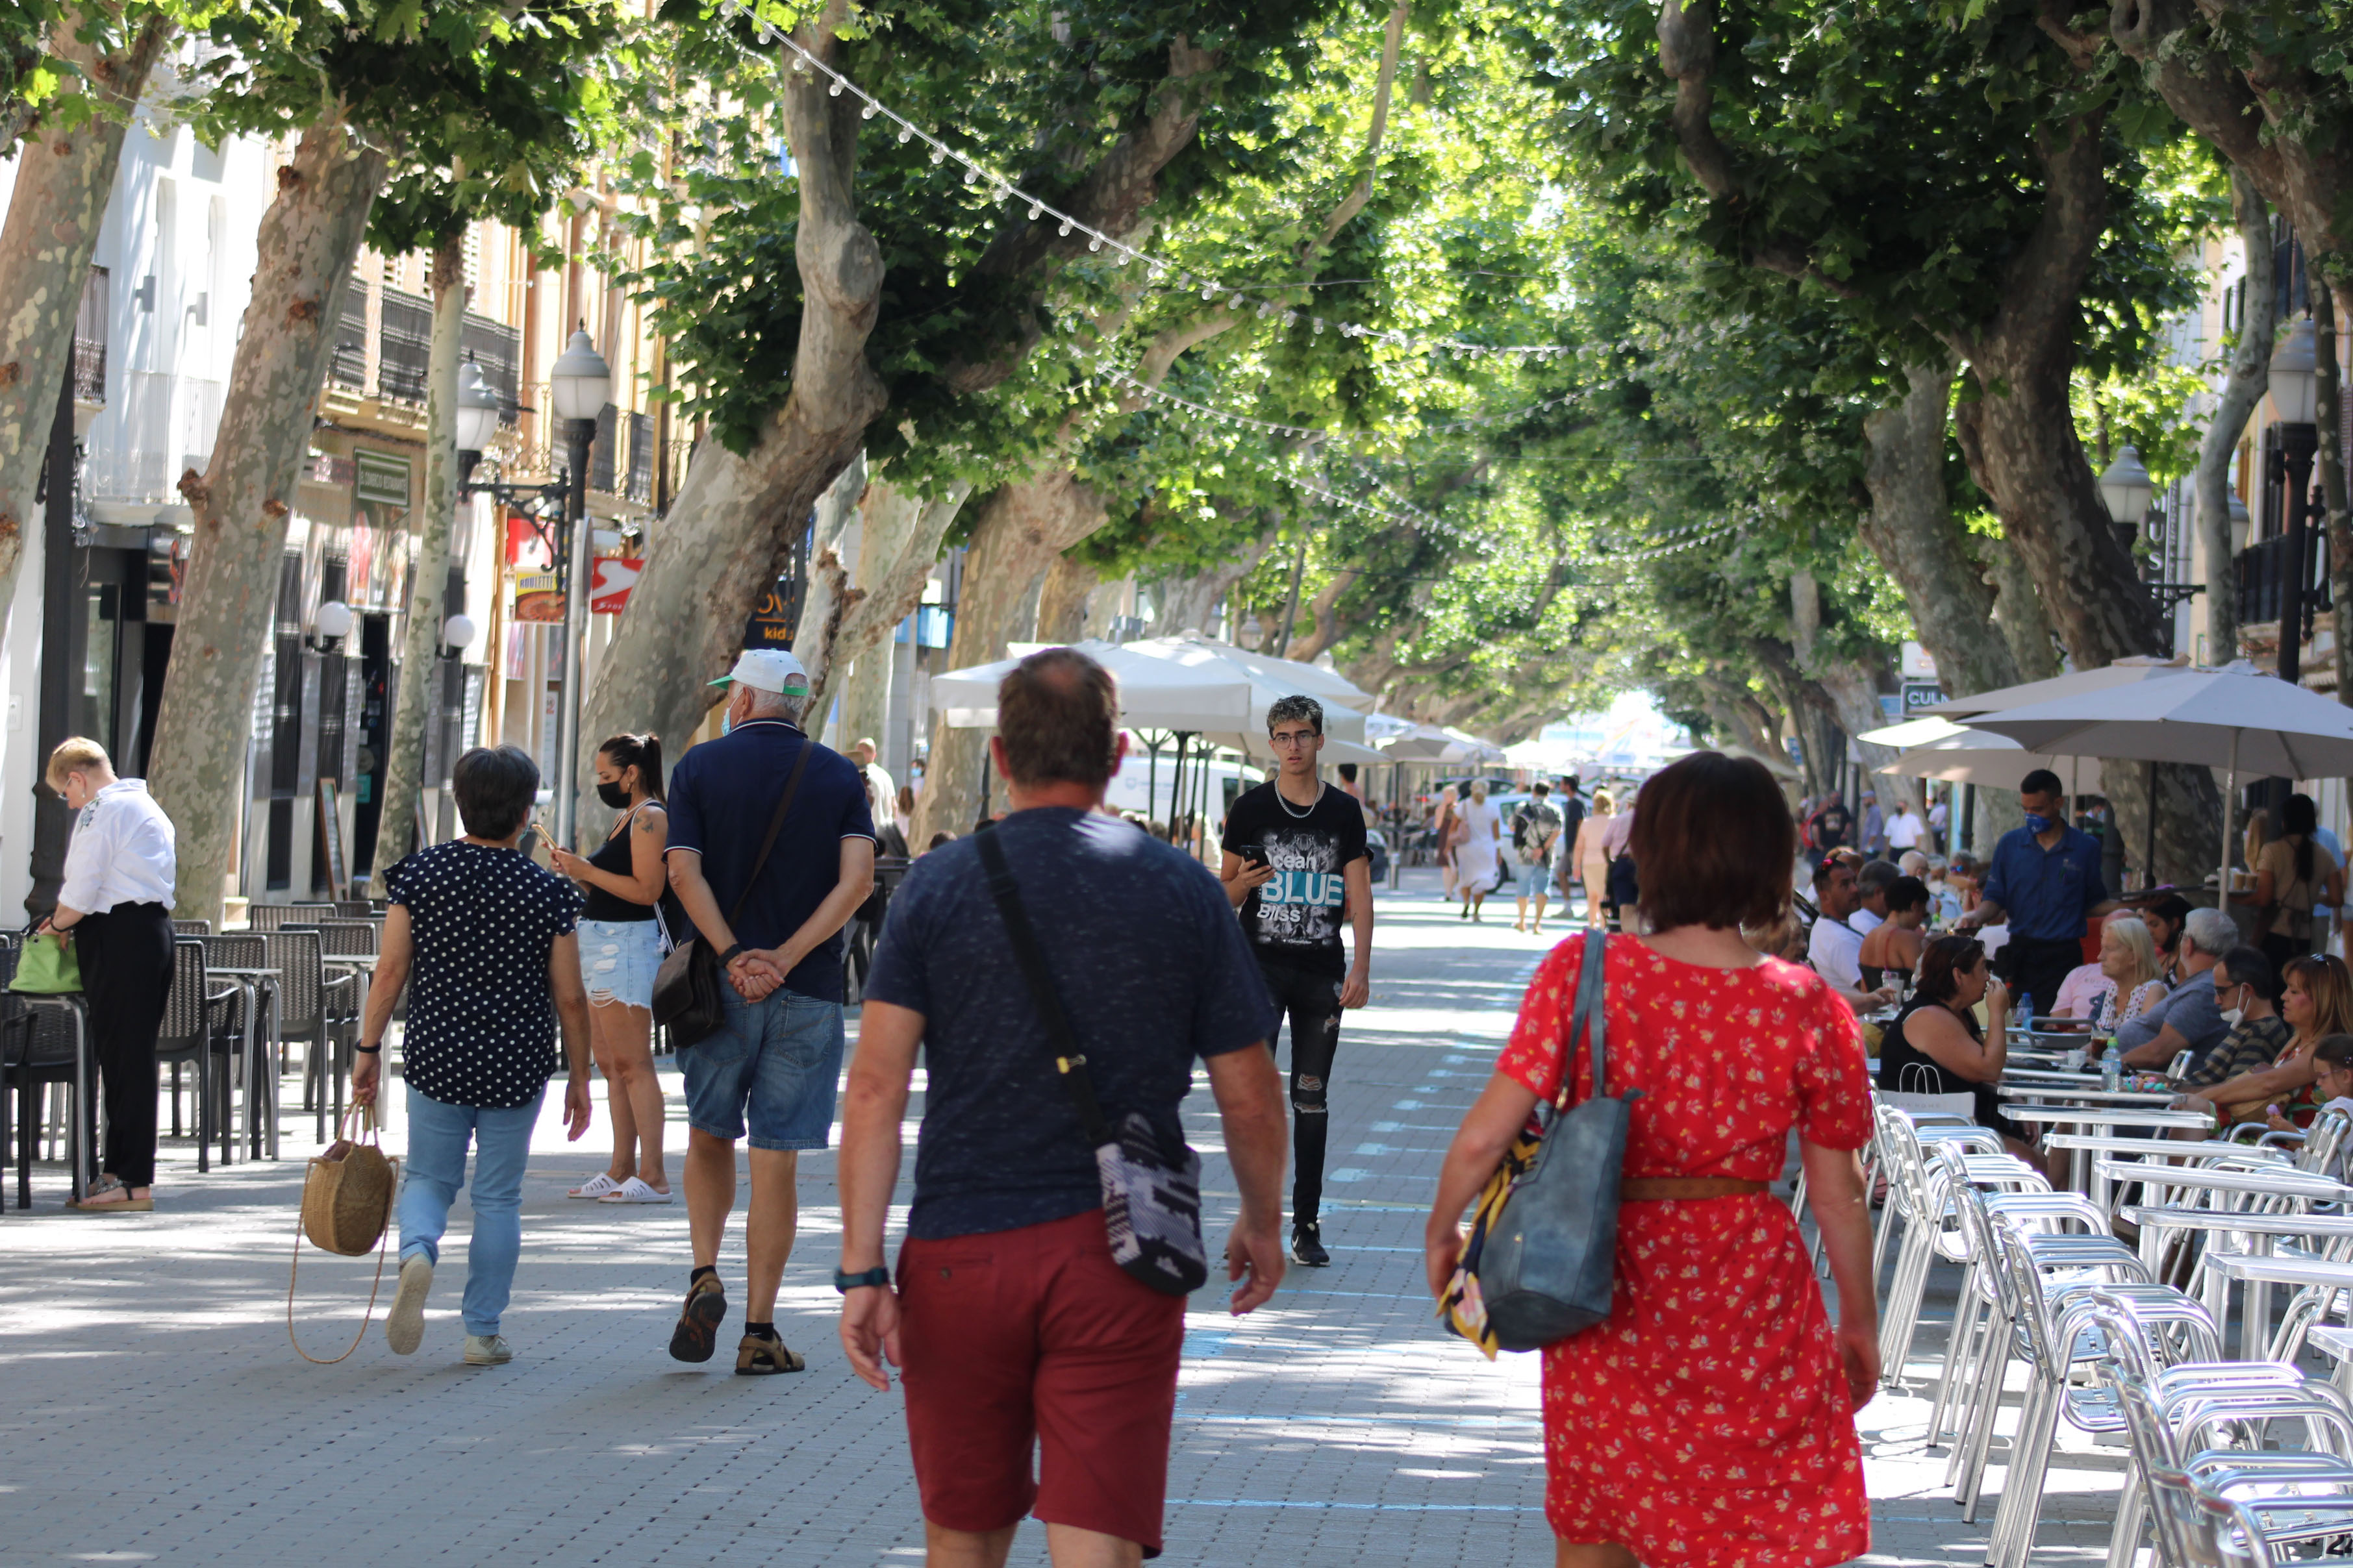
595 1186
634 1191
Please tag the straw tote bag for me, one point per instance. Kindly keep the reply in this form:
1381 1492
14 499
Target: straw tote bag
347 1196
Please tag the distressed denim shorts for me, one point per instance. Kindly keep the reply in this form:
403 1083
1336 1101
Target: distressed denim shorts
618 960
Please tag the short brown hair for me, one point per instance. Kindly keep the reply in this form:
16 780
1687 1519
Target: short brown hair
1057 714
1943 962
1713 845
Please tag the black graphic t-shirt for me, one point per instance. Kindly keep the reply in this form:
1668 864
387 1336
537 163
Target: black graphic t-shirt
1294 916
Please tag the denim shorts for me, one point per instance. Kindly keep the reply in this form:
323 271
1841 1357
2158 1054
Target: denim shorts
618 960
773 1063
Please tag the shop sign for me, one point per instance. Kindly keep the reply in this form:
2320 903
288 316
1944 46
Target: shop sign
1920 694
776 618
538 598
380 479
610 582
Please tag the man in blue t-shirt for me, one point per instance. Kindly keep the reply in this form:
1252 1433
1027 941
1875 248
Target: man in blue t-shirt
2045 881
1013 1327
775 917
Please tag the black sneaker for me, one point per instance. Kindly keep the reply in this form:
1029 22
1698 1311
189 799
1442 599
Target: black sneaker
1307 1245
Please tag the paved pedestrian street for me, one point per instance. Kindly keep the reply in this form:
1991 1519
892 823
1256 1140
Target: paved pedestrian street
155 1412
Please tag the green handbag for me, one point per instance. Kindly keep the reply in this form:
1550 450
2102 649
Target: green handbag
48 967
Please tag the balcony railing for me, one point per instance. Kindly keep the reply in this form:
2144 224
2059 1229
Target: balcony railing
641 460
90 340
499 350
404 347
2263 578
166 426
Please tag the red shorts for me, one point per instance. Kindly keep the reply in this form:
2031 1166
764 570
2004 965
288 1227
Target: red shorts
1017 1339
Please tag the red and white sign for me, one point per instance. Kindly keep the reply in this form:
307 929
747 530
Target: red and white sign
610 582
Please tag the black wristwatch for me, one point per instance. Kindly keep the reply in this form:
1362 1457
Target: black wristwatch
846 1283
731 956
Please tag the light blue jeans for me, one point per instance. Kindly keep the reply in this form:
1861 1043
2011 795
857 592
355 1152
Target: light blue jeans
438 1136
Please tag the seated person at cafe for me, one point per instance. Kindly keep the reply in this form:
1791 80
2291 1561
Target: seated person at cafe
2247 987
2315 1001
1834 947
2123 985
2332 1060
1891 950
2164 916
1935 1045
2187 1018
1872 881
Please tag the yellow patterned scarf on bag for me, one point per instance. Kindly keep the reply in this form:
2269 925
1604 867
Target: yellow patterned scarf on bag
1462 1311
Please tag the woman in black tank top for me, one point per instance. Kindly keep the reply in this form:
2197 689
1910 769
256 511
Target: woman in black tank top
1935 1045
620 950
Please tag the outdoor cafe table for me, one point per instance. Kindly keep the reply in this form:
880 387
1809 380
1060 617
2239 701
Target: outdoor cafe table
2104 1116
2259 1272
2262 1231
259 984
2008 1091
2201 1149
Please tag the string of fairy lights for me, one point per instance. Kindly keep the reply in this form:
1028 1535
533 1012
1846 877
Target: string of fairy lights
1159 271
1162 272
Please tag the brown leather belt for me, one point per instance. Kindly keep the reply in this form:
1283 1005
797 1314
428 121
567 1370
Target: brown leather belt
1666 1189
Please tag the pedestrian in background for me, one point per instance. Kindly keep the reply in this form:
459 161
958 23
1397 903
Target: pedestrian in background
1296 866
115 907
620 952
765 816
1536 832
1709 1421
1592 859
1573 810
1013 1328
482 940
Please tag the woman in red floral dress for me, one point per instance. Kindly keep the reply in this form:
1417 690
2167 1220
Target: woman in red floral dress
1709 1421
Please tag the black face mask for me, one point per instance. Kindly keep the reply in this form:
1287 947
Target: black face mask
614 795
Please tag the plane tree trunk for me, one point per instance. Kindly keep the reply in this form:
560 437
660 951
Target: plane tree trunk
244 501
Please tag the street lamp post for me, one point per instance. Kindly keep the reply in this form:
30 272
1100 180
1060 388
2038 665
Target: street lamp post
580 386
2295 440
478 422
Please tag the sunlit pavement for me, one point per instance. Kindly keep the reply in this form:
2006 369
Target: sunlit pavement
154 1411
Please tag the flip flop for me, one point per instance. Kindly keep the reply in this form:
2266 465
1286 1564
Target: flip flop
634 1191
595 1186
125 1205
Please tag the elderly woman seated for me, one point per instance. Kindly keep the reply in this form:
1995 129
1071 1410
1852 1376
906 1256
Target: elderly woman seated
2127 982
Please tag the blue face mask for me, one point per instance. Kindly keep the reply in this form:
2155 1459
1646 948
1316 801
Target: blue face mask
2037 823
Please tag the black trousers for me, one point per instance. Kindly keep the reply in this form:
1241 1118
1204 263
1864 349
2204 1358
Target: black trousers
126 974
1310 1000
2037 967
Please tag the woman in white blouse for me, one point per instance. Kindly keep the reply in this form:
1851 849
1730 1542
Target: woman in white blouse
115 907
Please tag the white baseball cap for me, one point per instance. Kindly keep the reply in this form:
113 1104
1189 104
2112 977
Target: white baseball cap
768 669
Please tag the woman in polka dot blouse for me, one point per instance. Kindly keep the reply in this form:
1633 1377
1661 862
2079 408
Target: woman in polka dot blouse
483 940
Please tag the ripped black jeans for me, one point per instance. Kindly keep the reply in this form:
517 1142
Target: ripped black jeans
1310 1000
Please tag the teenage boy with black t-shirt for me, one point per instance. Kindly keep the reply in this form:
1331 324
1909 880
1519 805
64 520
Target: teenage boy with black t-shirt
1296 861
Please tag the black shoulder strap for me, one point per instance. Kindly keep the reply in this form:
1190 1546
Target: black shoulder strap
776 824
1069 1065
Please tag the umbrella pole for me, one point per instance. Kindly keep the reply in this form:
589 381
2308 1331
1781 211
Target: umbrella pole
2149 858
2229 804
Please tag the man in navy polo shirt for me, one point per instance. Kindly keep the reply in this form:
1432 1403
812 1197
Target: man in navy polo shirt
2045 881
773 1064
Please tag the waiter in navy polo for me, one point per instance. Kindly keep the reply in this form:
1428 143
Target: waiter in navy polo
2045 881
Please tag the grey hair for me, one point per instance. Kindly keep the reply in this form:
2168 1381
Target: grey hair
2214 931
1295 706
768 704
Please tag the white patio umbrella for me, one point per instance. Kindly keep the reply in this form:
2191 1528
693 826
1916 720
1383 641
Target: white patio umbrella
1158 689
2236 716
1328 687
1980 757
2075 683
1910 732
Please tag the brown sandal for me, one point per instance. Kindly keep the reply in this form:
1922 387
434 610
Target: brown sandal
757 1357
